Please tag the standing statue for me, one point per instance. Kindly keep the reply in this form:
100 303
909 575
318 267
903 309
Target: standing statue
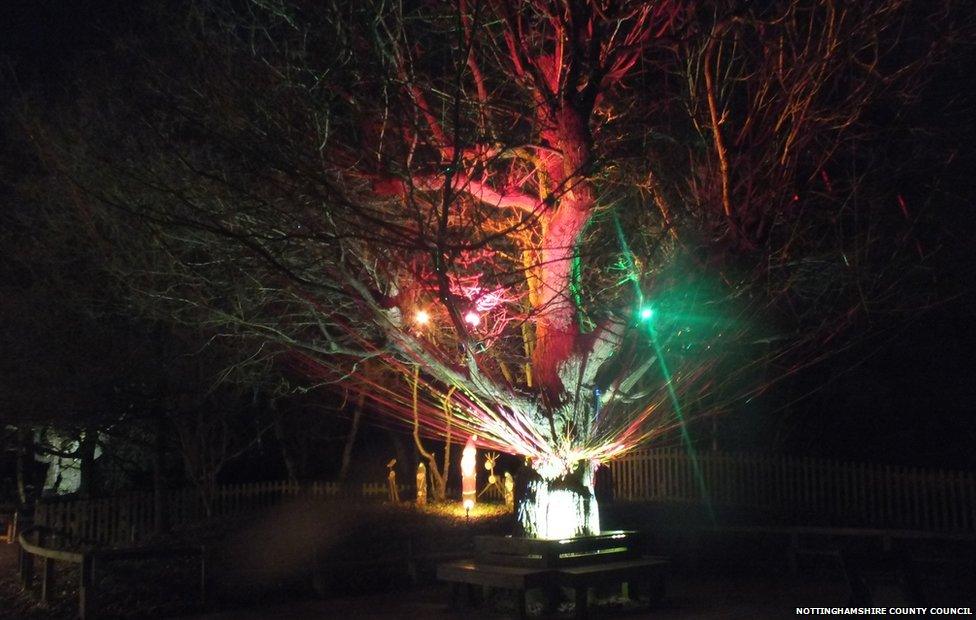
509 490
391 482
494 488
421 485
468 476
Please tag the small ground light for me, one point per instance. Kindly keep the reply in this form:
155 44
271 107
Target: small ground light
421 317
646 313
472 318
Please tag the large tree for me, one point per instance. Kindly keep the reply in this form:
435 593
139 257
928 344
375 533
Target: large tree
553 223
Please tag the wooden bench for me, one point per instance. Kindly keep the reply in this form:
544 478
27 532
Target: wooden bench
557 553
470 573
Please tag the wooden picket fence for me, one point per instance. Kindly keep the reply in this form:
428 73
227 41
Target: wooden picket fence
793 490
129 518
802 490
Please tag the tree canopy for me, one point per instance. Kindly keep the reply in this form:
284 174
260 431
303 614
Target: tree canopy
560 226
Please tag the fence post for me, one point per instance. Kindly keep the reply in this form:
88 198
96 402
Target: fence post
948 478
887 511
926 485
625 471
26 568
971 494
945 485
628 477
794 553
956 501
204 593
86 586
47 579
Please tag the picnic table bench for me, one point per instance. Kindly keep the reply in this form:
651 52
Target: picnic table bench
641 575
580 563
468 574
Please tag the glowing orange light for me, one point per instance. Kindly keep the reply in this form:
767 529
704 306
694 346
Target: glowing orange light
421 317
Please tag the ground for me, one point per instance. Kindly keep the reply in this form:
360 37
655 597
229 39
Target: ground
262 561
710 598
691 595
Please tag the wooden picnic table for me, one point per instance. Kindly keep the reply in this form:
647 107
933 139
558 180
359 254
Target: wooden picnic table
579 562
647 573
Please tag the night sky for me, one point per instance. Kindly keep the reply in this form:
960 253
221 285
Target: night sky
911 395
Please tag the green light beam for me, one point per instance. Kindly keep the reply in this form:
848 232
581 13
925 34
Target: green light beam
647 313
685 437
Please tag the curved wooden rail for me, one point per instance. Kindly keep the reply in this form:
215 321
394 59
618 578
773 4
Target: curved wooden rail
54 554
29 549
86 560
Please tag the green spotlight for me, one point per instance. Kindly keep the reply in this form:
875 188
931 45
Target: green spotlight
646 313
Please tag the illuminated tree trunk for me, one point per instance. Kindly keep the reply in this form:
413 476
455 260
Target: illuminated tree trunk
557 332
560 507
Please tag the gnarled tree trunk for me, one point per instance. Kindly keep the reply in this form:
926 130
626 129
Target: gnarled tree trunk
559 507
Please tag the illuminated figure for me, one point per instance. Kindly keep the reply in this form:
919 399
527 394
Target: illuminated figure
509 490
494 482
468 477
421 485
391 482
